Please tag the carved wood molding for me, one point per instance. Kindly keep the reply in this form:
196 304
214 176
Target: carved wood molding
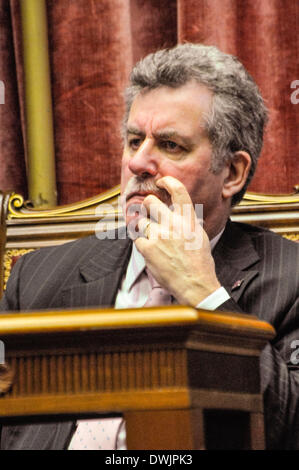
19 208
101 359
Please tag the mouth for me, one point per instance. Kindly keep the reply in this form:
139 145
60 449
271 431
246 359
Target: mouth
138 194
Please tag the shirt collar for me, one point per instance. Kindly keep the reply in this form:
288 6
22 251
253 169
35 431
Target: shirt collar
137 264
215 240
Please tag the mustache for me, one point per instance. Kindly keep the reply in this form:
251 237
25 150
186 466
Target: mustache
138 184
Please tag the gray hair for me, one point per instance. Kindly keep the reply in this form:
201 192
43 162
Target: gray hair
238 115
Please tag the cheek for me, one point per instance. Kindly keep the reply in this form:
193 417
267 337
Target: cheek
169 168
189 176
186 174
194 188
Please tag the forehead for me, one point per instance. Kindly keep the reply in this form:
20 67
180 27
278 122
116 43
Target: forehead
182 107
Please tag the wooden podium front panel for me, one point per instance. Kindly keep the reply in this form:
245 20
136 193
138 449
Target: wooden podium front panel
162 375
160 430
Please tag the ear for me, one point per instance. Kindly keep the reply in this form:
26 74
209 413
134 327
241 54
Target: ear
237 173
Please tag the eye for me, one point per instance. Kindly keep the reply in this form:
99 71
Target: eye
171 146
134 143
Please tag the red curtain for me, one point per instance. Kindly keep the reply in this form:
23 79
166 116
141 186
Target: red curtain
12 163
265 37
94 43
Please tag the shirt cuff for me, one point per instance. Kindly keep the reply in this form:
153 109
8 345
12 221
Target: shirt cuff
214 300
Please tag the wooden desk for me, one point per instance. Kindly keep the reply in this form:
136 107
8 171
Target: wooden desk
183 378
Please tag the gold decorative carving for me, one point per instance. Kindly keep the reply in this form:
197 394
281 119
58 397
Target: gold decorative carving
20 209
259 198
291 236
16 201
8 257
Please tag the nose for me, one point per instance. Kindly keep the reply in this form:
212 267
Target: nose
144 161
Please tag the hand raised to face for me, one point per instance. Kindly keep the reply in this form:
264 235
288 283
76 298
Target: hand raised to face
175 246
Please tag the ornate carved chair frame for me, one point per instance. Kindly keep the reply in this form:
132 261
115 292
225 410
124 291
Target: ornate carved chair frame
23 229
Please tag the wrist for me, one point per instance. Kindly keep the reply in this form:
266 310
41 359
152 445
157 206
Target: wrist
195 296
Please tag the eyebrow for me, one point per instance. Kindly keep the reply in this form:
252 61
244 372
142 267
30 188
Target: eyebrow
134 130
164 135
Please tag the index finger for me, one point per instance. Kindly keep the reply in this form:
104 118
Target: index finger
177 190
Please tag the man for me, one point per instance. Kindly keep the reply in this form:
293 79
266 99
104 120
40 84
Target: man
193 132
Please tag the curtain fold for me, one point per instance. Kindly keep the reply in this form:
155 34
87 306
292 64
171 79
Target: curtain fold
210 22
12 159
94 43
153 26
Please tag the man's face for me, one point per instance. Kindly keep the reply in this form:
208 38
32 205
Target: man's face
166 137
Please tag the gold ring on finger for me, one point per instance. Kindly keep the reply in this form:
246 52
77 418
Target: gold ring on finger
145 231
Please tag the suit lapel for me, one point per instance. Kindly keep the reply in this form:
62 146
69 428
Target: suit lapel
101 275
236 260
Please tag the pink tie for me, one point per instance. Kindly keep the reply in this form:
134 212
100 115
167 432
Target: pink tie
158 295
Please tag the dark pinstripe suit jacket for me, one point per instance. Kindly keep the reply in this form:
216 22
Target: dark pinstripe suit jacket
88 272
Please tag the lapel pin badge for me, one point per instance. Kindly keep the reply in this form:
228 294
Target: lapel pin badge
237 284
